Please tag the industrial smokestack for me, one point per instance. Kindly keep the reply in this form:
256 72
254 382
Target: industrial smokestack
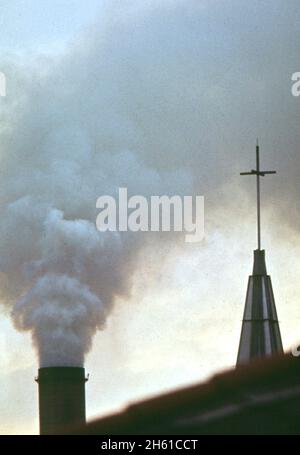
61 399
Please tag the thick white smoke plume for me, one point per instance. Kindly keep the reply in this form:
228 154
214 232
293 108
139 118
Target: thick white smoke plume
63 315
70 138
155 98
62 273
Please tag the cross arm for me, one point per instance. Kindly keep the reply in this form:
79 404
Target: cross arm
248 173
267 172
261 173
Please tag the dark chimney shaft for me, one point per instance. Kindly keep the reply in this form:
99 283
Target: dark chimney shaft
61 399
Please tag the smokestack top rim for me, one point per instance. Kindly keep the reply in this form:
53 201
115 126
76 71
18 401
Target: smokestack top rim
64 373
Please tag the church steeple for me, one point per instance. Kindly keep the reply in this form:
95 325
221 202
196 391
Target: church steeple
260 335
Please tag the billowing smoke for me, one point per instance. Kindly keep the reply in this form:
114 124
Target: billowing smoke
60 274
63 315
155 98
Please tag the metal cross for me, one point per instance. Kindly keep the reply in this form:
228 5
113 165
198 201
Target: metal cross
258 174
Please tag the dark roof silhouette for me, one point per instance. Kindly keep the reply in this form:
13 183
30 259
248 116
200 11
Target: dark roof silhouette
262 397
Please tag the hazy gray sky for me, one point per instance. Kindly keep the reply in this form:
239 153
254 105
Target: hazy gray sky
159 96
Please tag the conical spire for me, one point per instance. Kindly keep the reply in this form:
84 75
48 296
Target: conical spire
260 335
